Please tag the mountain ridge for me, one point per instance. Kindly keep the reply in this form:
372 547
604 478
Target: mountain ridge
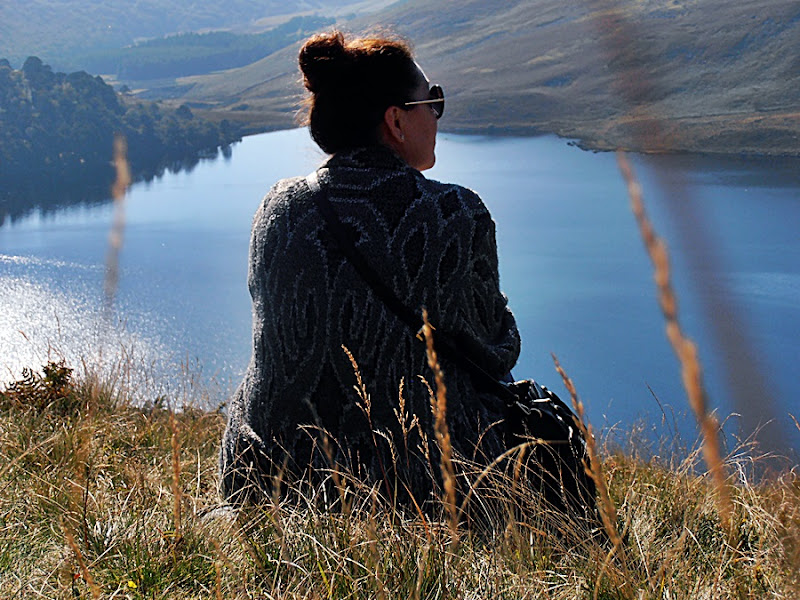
728 84
656 76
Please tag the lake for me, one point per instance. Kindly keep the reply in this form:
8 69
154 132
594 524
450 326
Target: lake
572 264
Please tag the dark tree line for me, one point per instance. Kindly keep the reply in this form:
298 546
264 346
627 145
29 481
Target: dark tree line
61 126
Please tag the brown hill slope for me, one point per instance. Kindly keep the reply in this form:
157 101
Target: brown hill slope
720 77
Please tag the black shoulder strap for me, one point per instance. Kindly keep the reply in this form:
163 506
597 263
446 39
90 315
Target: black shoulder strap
444 343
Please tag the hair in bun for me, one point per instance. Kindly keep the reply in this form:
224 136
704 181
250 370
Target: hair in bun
352 83
323 59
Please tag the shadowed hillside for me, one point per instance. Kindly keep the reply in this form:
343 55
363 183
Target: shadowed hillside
56 30
724 77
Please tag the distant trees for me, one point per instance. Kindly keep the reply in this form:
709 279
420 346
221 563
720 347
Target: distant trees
63 125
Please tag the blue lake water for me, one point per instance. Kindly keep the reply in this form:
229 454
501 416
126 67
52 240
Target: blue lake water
572 264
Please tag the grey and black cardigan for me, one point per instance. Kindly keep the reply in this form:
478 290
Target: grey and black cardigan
434 244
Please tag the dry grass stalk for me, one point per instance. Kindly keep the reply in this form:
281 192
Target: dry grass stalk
442 431
407 422
177 493
87 576
372 543
118 190
684 348
361 389
608 512
218 569
422 565
635 70
366 408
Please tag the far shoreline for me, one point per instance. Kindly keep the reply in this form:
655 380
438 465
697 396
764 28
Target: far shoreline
586 143
681 137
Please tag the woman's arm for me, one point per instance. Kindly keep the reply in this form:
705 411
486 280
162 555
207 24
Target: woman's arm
477 314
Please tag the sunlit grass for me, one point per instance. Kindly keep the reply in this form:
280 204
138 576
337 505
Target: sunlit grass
135 489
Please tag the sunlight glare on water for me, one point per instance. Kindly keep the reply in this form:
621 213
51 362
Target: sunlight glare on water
40 323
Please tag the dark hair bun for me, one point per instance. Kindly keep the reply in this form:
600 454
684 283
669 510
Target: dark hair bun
324 61
352 82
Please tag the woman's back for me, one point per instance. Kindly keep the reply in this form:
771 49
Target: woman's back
434 245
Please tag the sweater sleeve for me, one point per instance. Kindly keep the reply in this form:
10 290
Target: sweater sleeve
484 326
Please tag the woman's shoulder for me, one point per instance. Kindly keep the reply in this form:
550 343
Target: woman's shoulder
286 189
283 193
282 206
453 196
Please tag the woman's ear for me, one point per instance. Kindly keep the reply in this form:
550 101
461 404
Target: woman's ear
393 126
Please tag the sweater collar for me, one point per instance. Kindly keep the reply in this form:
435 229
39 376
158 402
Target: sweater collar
368 157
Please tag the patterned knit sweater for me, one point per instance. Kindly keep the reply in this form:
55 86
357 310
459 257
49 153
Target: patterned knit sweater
434 245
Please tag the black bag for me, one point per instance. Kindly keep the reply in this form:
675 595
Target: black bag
559 458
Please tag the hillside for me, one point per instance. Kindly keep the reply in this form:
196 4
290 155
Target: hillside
719 77
196 53
662 75
57 30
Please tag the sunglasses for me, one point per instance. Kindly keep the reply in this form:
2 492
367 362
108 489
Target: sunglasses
436 101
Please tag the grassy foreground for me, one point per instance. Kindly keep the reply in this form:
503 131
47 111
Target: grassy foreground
102 499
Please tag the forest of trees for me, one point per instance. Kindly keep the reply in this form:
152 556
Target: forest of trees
59 125
197 53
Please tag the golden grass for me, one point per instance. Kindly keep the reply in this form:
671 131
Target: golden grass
608 512
442 431
103 499
685 349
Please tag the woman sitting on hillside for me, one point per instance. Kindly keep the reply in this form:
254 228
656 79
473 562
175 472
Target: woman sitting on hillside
375 113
